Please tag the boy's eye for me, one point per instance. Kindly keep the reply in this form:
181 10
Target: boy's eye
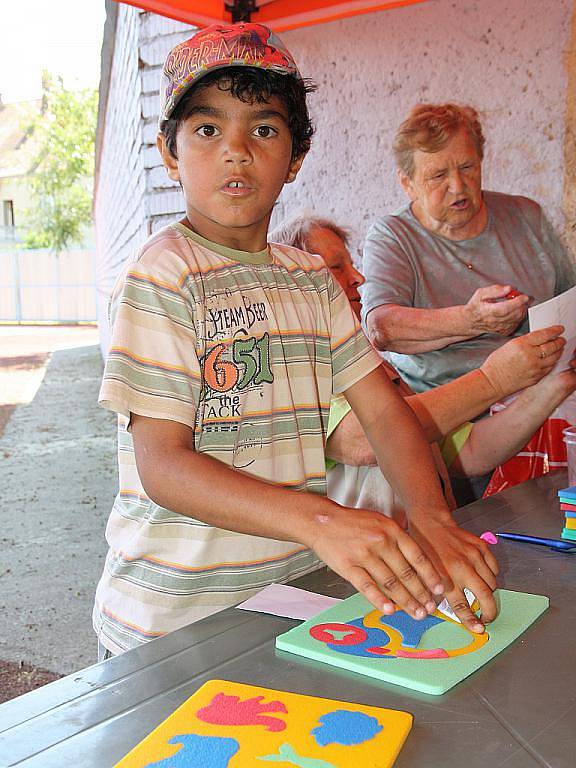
207 130
264 131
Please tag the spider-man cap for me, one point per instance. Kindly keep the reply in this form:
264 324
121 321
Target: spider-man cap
217 47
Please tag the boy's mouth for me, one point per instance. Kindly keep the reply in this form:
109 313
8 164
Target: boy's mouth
236 187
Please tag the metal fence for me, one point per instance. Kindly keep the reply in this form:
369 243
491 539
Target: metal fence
38 286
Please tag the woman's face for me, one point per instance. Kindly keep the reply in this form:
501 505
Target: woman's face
446 189
337 257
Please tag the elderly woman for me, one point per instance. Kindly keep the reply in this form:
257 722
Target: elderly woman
450 275
466 449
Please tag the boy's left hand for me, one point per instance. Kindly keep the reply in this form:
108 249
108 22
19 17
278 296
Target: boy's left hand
463 560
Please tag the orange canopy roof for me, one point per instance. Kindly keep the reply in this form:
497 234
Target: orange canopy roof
279 15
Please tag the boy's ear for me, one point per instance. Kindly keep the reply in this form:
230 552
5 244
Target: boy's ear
170 162
295 166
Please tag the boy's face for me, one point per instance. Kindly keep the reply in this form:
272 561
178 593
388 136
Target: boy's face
233 160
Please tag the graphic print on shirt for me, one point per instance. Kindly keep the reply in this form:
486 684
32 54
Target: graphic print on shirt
237 360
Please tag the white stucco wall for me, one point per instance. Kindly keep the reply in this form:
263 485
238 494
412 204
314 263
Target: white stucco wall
503 56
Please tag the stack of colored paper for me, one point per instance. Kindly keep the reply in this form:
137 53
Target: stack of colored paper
567 498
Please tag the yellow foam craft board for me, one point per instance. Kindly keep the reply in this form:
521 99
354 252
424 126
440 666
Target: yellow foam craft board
232 725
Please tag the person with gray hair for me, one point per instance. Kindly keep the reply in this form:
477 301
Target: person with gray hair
450 276
464 448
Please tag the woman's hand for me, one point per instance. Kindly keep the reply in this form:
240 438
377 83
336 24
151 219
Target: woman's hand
523 361
490 311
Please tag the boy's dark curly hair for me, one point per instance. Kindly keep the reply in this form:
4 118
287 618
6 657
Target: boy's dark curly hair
250 84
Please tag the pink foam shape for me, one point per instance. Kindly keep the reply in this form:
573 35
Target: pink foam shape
489 537
433 653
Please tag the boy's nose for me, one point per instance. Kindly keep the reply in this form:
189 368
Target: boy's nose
237 150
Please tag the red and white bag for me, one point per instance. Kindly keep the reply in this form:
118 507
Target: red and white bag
545 451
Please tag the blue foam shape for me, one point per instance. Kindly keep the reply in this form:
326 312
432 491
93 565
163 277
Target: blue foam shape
207 751
410 629
345 727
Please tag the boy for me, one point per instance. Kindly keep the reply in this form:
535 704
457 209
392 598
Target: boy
224 356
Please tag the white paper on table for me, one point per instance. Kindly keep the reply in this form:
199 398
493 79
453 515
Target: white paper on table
294 603
561 310
289 602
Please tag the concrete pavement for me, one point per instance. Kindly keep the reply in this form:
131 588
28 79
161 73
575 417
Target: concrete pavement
57 482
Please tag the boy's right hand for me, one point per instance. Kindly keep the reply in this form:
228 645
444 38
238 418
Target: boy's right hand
378 558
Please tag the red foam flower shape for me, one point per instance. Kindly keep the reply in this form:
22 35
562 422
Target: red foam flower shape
229 710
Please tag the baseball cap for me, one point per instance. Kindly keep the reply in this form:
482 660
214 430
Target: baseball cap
217 47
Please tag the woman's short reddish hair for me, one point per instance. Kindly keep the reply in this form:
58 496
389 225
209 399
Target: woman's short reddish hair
429 127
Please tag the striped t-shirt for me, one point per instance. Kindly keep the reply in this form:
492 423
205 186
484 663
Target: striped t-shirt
247 350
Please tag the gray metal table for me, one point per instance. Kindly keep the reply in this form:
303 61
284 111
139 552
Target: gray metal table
519 711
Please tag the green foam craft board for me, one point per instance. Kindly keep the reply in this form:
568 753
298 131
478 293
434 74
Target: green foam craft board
518 610
569 533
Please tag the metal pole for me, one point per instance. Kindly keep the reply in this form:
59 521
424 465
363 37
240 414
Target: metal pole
57 266
17 296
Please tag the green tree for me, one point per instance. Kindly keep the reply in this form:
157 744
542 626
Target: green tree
61 182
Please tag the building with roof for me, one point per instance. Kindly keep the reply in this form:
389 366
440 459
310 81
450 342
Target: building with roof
35 285
17 152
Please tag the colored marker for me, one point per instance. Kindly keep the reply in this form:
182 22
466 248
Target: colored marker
563 546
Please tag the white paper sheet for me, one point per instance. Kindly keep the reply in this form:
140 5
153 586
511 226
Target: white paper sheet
561 310
294 603
289 602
